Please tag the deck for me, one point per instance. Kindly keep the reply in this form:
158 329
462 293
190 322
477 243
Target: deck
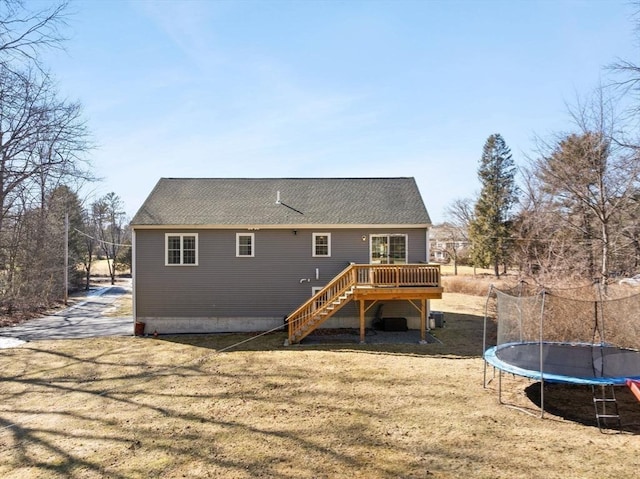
367 284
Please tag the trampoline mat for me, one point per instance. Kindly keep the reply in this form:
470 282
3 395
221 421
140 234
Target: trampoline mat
567 362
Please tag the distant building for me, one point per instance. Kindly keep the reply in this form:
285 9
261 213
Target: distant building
443 240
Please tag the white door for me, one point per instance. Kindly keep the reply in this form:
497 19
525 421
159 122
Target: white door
318 302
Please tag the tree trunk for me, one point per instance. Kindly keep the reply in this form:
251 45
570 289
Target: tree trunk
604 272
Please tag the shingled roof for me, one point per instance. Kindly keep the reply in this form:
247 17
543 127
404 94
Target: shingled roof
312 201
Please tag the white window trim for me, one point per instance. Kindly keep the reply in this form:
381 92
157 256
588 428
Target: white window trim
313 246
166 249
253 245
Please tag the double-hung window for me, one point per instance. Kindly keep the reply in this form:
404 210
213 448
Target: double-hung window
321 244
181 249
245 245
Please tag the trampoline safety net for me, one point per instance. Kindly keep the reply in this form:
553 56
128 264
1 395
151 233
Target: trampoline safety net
548 316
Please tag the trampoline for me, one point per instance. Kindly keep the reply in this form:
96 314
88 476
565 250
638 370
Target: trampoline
585 336
569 363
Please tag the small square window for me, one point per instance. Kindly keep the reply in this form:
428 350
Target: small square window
245 244
321 244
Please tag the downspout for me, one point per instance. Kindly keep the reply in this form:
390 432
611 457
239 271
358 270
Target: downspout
427 249
427 311
133 275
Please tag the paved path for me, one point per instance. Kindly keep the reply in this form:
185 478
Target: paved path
84 319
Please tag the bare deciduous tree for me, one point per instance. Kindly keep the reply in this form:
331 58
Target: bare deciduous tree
43 142
590 179
111 226
456 230
25 33
87 237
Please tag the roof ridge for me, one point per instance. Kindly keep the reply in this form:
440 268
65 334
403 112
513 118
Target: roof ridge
295 178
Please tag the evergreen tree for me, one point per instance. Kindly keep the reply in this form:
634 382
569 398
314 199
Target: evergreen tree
491 226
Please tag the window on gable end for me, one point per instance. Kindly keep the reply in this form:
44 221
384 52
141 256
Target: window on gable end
321 244
245 245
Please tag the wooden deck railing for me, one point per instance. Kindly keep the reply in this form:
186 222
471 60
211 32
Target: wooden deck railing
380 275
339 291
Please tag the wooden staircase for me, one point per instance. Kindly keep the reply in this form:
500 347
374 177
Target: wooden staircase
321 306
370 281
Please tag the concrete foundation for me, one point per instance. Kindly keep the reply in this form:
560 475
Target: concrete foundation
243 325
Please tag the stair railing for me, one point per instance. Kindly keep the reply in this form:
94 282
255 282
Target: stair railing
320 306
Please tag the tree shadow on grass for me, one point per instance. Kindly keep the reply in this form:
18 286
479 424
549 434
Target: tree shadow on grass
130 420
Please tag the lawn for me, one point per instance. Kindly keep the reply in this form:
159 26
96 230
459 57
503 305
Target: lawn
182 407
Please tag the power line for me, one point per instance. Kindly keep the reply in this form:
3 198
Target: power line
100 240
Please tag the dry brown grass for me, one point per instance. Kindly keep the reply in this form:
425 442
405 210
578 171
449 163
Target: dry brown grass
476 281
100 267
177 407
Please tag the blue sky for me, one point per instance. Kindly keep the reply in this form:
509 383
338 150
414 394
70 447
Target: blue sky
329 88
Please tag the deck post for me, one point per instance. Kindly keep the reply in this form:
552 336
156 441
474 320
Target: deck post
423 321
362 328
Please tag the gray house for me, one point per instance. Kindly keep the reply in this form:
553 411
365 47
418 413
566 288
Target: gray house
223 255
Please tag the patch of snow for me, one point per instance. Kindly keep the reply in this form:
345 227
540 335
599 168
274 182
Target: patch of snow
6 342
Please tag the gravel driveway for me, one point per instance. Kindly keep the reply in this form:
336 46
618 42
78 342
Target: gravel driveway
84 319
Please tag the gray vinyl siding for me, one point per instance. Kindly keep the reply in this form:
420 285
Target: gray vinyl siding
266 285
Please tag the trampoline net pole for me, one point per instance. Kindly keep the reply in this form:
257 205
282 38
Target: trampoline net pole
541 339
484 334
